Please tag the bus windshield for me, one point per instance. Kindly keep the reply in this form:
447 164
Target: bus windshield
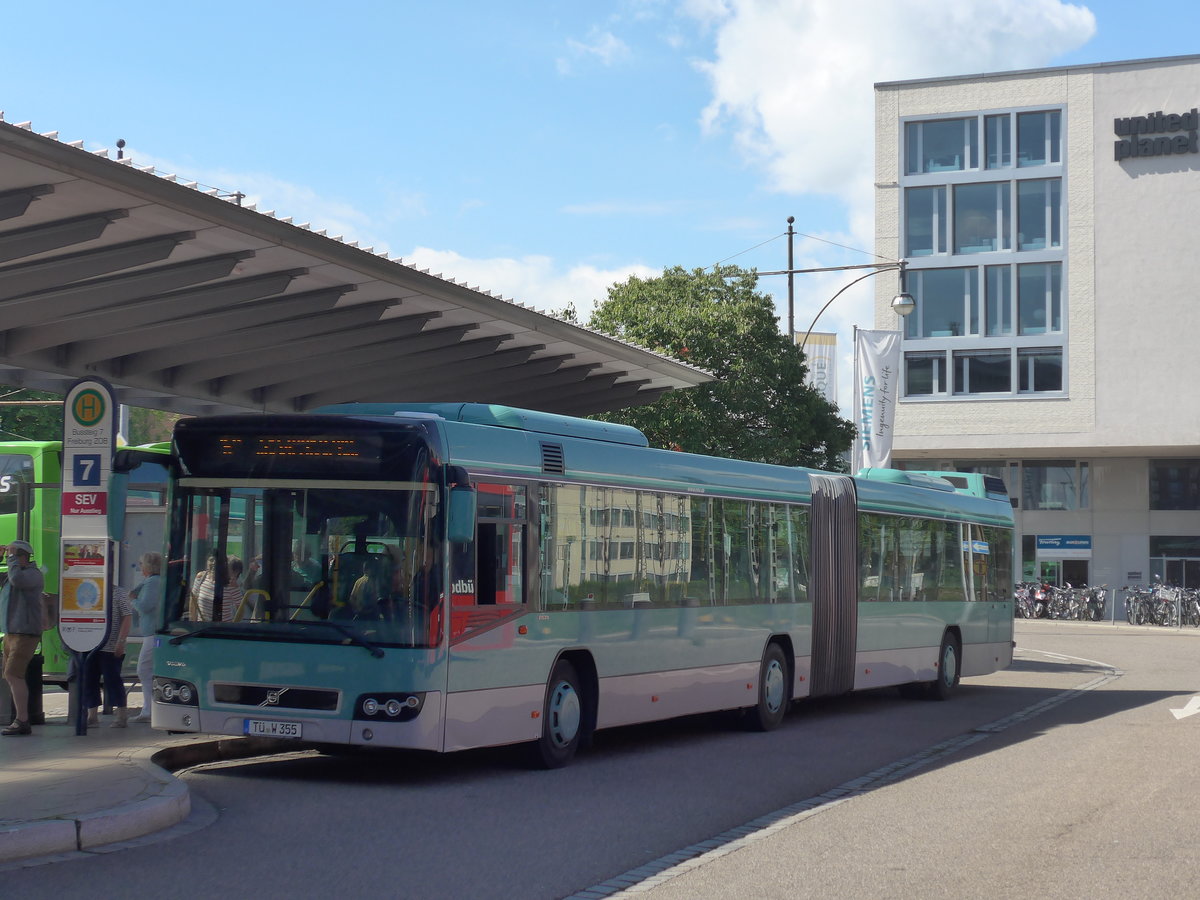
306 561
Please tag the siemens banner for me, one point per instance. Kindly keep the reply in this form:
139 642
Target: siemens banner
876 379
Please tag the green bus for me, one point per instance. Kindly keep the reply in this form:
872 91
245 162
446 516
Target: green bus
31 509
447 576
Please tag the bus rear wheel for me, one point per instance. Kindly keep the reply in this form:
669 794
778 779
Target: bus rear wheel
949 659
774 691
562 719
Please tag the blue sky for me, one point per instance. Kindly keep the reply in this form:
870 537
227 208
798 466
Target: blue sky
543 149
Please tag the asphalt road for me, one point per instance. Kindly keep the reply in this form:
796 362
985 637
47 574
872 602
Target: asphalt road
1019 785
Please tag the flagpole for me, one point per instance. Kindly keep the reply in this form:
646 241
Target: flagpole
856 456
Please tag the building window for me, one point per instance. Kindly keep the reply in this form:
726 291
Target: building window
924 374
1039 297
1054 484
1039 211
998 141
1040 369
1175 559
1039 138
944 145
998 300
1175 484
947 303
983 372
982 217
925 220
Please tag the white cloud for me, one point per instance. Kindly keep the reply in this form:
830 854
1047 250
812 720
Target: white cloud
337 218
601 46
536 281
792 83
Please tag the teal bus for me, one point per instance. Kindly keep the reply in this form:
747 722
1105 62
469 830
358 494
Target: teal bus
448 576
31 509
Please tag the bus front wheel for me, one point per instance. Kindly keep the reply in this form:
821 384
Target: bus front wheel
949 660
562 719
774 691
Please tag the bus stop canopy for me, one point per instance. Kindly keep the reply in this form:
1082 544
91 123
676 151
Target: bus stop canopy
185 300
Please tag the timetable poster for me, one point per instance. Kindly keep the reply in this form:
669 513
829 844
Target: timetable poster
85 568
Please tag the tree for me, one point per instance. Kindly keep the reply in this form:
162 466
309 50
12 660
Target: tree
24 415
149 426
759 408
22 420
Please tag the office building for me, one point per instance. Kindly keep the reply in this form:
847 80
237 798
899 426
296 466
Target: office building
1048 219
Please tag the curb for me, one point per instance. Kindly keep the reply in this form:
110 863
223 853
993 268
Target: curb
165 801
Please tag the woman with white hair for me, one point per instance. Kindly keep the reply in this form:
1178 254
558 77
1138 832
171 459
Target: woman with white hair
146 599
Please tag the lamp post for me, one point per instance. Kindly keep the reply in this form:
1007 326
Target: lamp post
902 303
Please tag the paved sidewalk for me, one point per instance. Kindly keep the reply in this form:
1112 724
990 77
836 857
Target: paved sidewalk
61 792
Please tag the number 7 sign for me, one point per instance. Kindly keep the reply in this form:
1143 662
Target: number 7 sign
85 470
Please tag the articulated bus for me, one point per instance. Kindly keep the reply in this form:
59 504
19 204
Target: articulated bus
31 509
447 576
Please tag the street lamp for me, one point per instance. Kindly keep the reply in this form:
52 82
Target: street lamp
902 304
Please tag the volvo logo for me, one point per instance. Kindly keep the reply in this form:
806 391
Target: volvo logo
274 696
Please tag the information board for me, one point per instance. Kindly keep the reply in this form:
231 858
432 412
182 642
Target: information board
89 436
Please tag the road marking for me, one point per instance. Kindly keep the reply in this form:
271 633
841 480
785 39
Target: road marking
1193 707
656 872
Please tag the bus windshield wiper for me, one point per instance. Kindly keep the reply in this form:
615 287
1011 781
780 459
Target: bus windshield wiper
353 636
349 633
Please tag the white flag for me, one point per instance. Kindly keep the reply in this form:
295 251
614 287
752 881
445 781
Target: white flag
821 357
876 387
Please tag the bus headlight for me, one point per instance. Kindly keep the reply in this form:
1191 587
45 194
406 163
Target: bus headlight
389 707
174 690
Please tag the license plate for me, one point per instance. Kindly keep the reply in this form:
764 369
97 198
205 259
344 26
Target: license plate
271 728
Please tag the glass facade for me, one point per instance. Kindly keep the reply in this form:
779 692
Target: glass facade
1054 484
984 235
1175 484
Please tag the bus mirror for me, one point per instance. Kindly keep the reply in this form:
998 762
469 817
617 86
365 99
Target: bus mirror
461 524
118 492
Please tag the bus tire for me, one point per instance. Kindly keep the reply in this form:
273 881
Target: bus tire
562 719
774 690
949 666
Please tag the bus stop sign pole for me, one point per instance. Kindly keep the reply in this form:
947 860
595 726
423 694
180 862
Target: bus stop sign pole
85 570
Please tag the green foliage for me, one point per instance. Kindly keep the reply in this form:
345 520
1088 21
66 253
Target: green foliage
759 407
150 426
19 422
568 313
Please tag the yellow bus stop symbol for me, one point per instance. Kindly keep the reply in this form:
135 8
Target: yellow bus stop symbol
88 408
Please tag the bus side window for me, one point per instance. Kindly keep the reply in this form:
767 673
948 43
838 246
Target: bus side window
495 587
500 564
